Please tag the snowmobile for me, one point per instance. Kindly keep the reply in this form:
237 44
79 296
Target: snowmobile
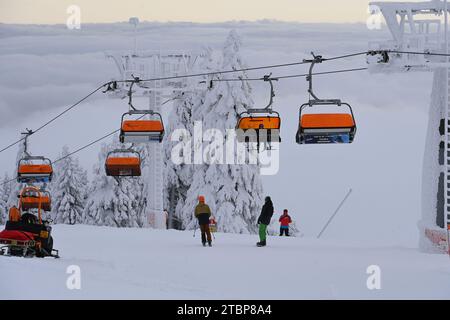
30 236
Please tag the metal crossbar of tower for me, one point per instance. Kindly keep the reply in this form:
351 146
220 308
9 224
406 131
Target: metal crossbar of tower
422 27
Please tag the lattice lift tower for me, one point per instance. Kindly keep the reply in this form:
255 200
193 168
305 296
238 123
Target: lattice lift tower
422 27
151 65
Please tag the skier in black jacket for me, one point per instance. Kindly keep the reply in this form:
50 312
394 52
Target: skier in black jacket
264 221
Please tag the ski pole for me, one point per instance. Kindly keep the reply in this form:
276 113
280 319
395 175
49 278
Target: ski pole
335 212
195 229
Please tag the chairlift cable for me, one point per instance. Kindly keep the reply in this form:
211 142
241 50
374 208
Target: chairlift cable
56 117
221 72
292 76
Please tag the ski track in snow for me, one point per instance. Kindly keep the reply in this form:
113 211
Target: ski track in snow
160 264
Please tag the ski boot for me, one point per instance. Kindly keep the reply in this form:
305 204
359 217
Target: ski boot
210 244
204 244
261 243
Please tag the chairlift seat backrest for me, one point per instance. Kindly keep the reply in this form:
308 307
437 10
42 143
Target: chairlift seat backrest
327 121
259 122
126 166
142 126
32 202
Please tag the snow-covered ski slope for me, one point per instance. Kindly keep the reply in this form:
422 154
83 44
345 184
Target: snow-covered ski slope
160 264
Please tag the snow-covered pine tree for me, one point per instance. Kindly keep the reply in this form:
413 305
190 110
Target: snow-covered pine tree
233 191
68 189
16 187
3 211
5 190
111 203
178 177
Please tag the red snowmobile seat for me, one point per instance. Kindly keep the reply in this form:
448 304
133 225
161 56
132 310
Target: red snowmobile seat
15 237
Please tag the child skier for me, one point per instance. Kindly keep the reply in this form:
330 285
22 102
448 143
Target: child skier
264 221
202 213
212 224
285 220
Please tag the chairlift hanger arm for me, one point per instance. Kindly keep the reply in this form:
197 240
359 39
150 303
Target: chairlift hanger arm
130 91
25 142
316 100
309 77
267 78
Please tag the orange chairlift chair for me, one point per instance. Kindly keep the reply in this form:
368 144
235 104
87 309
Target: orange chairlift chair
260 119
123 163
140 130
324 128
32 199
34 169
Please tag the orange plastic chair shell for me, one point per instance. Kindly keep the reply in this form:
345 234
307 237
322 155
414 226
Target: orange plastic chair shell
269 123
35 169
142 126
119 166
327 120
123 161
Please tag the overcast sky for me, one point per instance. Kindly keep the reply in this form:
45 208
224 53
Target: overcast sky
54 11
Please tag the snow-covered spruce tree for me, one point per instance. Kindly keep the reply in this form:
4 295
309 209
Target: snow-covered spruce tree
178 176
113 203
68 190
16 187
233 191
3 211
5 190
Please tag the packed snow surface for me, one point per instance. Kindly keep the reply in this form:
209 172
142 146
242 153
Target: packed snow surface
161 264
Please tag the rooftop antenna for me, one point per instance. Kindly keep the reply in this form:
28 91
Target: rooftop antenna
134 21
